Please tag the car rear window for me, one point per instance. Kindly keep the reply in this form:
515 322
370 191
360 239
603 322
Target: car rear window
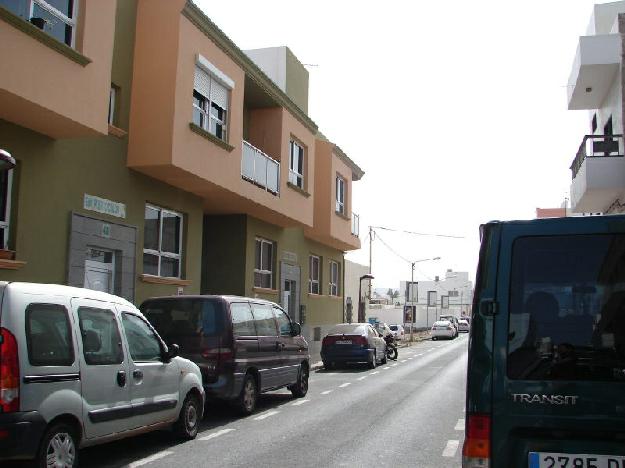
177 320
48 335
393 327
567 303
347 328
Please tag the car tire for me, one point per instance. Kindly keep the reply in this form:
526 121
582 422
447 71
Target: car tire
374 361
384 359
188 422
300 388
328 365
60 442
246 402
434 338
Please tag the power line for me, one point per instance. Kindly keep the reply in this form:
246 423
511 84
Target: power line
392 250
416 233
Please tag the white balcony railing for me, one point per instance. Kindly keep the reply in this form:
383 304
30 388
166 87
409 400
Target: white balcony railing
260 169
355 224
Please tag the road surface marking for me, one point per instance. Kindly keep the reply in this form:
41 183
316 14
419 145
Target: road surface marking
300 402
150 459
345 384
459 425
404 360
326 392
265 415
216 434
419 354
373 373
362 378
450 448
393 365
387 367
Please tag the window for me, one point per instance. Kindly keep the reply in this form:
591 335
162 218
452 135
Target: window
142 342
296 165
113 103
335 285
210 104
593 123
162 239
566 308
55 17
101 341
48 335
6 183
340 195
314 280
263 266
242 319
284 324
263 318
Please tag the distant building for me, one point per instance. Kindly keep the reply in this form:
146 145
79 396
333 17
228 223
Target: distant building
353 273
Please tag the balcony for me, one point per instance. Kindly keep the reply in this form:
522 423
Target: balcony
57 84
594 68
355 225
260 169
598 173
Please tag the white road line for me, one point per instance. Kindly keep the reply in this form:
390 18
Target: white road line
150 459
393 365
373 373
404 360
265 415
387 367
419 354
326 392
362 378
300 402
345 384
450 448
216 434
459 425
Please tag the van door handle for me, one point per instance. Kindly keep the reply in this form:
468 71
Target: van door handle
121 378
137 374
279 346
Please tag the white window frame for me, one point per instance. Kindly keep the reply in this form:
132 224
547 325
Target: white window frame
271 261
296 174
223 80
334 278
61 16
5 225
340 194
312 281
160 253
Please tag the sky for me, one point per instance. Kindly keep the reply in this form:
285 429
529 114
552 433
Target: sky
455 110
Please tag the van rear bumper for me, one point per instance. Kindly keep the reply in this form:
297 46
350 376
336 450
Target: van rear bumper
227 387
20 435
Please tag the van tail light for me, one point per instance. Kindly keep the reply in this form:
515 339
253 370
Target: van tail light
449 328
218 356
476 448
9 373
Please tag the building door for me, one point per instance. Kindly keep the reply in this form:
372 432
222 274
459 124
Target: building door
290 290
100 270
289 294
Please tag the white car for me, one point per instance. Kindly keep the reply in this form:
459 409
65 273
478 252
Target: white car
463 325
398 331
81 367
443 329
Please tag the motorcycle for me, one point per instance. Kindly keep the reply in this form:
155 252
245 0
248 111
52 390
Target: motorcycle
391 348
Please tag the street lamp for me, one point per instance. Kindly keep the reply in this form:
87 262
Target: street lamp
414 312
361 303
6 161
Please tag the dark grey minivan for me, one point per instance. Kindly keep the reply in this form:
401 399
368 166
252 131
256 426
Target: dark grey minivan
243 346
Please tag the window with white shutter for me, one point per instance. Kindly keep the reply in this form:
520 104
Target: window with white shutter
210 103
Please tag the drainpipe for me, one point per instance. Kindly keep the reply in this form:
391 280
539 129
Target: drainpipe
343 289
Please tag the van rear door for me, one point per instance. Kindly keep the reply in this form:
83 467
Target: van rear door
558 392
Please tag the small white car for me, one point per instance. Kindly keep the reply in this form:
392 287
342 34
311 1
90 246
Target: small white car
81 367
443 329
463 326
398 331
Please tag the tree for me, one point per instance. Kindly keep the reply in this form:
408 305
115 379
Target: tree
392 294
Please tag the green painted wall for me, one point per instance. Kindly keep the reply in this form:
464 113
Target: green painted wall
320 310
223 258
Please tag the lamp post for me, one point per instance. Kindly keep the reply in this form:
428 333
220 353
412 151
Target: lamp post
361 303
6 161
414 311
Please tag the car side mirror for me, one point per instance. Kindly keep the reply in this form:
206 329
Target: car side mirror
296 329
172 351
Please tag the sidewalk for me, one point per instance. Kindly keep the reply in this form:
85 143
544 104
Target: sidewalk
417 337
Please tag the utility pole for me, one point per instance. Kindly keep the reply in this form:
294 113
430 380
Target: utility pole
370 256
413 307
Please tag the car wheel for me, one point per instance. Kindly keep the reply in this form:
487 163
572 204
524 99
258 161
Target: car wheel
327 365
59 447
246 403
300 388
374 361
189 420
434 338
385 358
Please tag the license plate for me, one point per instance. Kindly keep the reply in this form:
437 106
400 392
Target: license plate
344 342
574 460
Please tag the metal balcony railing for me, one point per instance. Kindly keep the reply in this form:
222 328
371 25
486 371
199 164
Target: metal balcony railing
355 224
597 146
260 169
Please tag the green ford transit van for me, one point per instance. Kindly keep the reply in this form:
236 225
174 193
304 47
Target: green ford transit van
546 369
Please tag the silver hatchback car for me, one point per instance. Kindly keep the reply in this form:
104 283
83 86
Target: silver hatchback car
80 367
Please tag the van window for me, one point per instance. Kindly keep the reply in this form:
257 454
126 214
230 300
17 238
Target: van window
284 324
567 308
242 319
142 343
101 341
48 335
178 320
265 323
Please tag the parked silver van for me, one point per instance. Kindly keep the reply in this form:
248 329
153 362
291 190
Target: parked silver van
80 367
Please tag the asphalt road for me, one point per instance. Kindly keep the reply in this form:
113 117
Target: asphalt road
407 413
